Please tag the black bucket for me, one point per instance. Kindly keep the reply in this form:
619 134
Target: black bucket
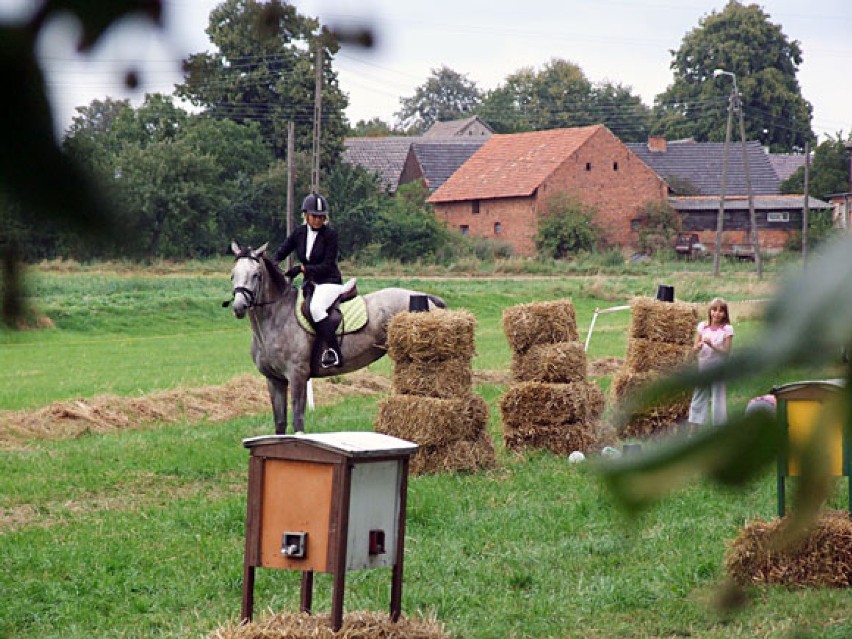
418 303
665 293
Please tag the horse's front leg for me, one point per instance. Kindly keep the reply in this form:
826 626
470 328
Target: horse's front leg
299 394
278 395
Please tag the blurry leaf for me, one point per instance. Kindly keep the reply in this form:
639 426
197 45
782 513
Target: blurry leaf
96 16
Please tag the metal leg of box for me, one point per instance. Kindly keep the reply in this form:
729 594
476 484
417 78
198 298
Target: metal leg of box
307 590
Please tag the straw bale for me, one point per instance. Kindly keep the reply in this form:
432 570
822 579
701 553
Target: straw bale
356 625
463 455
672 322
561 362
539 323
540 404
823 558
560 440
644 355
654 420
446 379
429 421
433 336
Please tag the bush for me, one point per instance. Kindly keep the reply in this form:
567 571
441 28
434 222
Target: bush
659 226
566 228
408 229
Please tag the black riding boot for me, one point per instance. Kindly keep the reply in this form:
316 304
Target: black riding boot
331 356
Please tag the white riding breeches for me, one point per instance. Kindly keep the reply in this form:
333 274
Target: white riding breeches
324 296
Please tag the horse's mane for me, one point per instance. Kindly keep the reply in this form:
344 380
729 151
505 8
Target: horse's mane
275 274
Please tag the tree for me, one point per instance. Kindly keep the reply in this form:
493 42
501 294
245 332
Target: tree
566 228
659 225
559 96
408 229
264 72
355 200
829 172
739 39
375 127
446 95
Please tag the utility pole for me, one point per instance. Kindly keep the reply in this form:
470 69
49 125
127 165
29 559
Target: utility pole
755 244
805 206
291 178
720 219
315 173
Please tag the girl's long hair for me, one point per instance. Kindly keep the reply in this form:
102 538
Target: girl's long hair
718 302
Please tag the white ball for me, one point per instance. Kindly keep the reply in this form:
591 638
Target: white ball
576 457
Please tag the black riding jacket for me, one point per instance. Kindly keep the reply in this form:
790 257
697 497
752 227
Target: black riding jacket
322 267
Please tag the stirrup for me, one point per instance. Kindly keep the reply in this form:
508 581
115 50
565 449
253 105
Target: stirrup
329 358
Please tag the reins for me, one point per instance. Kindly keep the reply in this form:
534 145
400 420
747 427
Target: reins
250 295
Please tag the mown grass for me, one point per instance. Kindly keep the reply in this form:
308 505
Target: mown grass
140 533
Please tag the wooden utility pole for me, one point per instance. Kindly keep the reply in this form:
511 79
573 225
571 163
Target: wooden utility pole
291 178
315 173
805 205
720 219
755 243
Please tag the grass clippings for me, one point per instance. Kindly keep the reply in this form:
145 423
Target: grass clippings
356 625
243 395
671 322
526 325
560 362
433 336
823 558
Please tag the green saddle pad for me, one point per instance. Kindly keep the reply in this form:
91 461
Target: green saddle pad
354 315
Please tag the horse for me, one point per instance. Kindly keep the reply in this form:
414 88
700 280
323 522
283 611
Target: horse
283 351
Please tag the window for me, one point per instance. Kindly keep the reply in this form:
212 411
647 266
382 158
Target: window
615 166
588 166
498 228
474 205
465 229
778 216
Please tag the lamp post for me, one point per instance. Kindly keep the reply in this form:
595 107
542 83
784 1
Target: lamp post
735 103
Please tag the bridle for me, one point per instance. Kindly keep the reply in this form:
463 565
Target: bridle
249 294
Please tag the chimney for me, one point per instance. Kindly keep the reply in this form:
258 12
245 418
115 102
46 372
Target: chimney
657 144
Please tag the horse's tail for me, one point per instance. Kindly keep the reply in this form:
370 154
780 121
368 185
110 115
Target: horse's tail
437 301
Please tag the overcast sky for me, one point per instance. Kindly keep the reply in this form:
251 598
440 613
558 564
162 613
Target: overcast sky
623 41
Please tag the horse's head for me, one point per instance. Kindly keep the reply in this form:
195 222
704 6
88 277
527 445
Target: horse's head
246 278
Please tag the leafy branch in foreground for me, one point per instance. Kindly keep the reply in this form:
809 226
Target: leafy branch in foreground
807 324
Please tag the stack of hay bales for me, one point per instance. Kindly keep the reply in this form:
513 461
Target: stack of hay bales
822 558
550 404
432 403
660 341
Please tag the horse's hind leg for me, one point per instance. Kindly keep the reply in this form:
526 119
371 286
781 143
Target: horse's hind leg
278 395
299 393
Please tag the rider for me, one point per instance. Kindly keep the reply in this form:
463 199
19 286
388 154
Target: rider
315 244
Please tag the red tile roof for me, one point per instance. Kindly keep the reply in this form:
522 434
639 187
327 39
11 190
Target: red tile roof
513 165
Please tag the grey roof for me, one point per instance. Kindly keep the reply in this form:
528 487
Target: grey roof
439 160
385 156
453 128
785 164
699 165
761 203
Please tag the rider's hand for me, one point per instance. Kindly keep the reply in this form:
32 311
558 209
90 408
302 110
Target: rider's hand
293 272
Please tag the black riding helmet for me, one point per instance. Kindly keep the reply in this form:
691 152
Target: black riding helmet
315 204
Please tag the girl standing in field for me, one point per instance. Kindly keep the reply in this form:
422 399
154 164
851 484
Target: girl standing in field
713 344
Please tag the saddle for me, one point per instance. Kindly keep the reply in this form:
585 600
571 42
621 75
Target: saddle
349 311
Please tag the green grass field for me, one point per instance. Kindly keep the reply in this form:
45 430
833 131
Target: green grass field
140 533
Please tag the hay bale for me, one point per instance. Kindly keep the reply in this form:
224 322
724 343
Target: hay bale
560 440
561 362
655 420
644 355
433 336
672 322
539 323
463 455
429 421
446 379
823 558
541 404
356 625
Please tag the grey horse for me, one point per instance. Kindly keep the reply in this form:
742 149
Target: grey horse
282 350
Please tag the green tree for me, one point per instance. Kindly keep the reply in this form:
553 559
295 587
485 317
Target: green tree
355 200
567 227
375 127
407 229
659 226
508 108
264 72
623 113
829 171
446 95
740 39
